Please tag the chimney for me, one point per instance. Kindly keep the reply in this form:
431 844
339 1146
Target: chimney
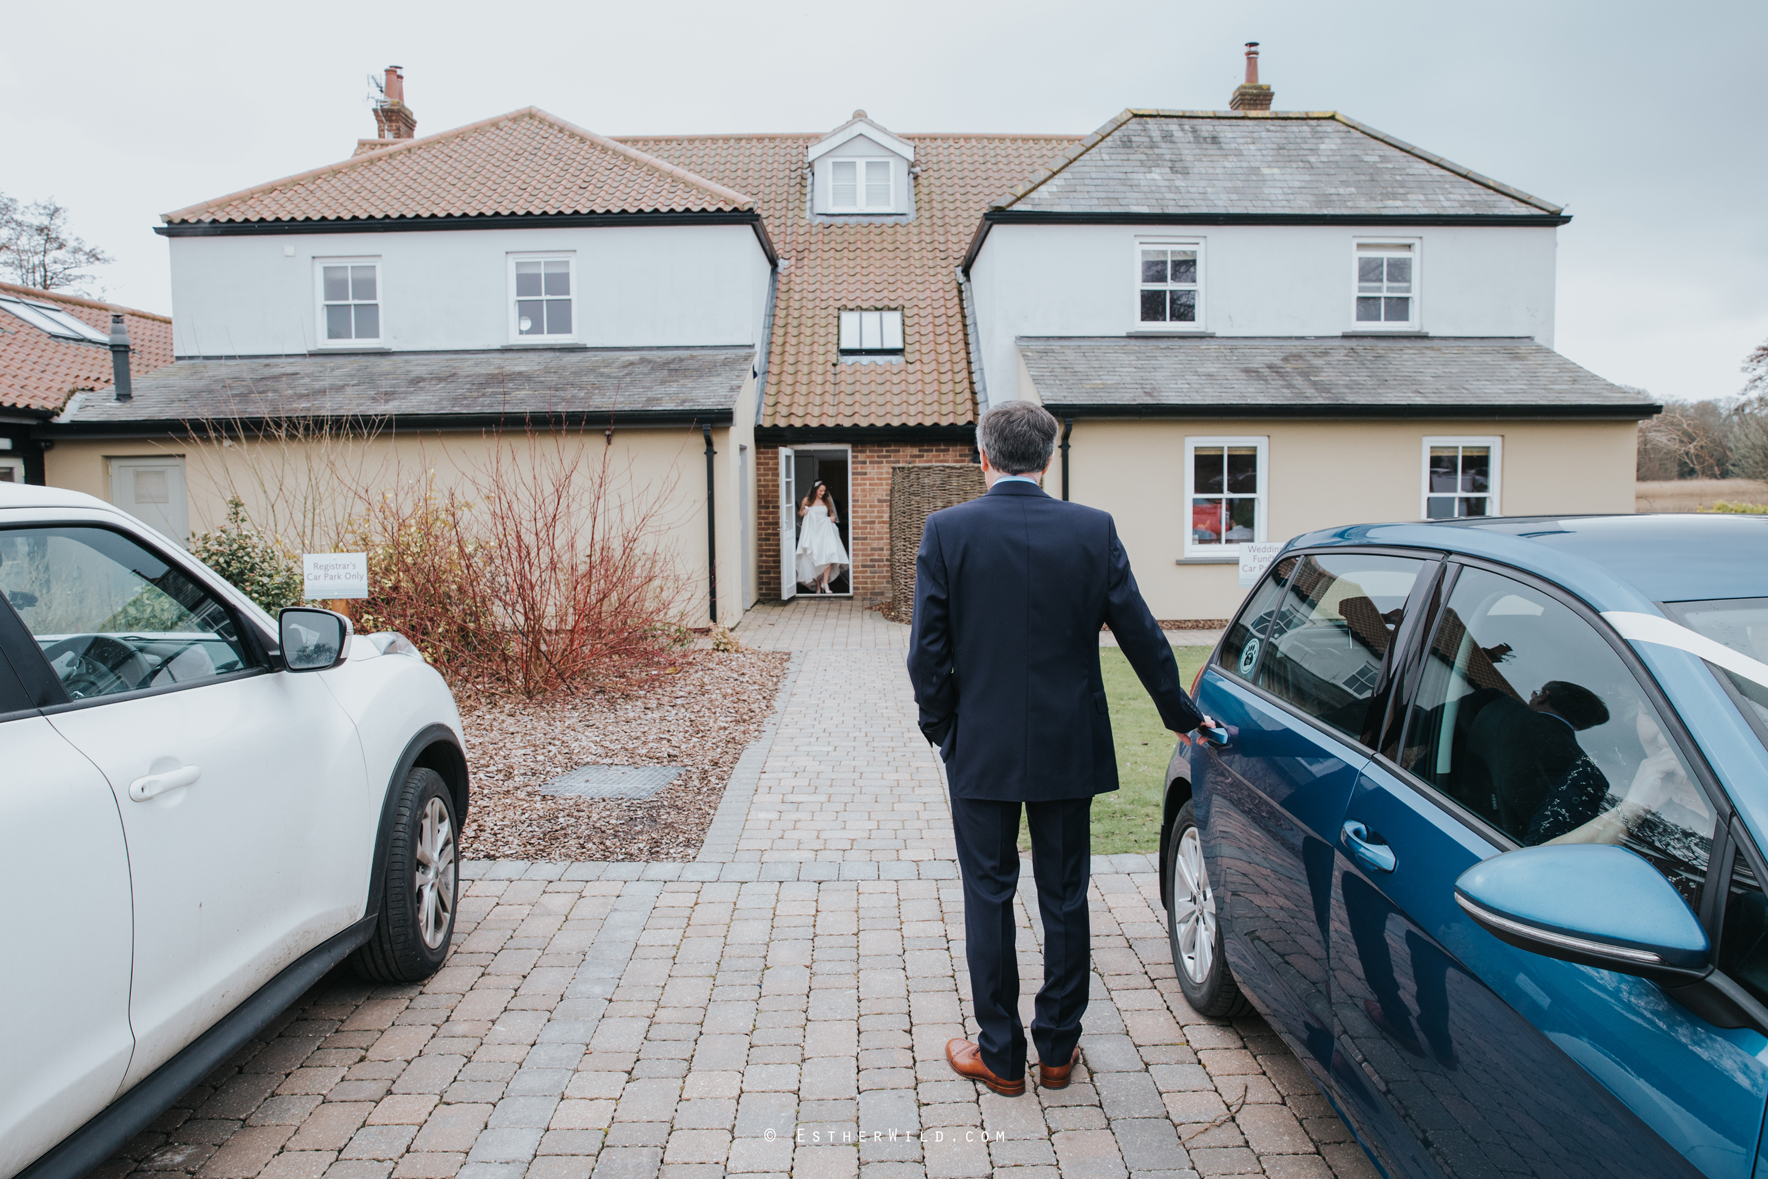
392 118
1250 95
119 346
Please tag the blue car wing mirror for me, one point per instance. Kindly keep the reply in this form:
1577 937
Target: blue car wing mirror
1593 904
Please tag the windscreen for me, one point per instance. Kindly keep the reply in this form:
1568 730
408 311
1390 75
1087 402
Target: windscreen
1742 625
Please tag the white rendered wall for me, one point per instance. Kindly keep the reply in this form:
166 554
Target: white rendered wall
1257 280
636 286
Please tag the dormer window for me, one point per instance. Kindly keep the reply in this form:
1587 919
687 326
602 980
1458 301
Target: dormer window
871 333
861 170
861 186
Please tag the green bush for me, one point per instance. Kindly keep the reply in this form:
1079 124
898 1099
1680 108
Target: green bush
251 560
1744 509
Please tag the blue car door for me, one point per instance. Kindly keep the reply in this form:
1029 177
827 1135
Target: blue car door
1460 1054
1299 674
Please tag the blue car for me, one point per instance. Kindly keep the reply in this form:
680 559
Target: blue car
1481 837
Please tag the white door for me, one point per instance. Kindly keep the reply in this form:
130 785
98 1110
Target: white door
12 469
152 490
64 994
242 790
788 524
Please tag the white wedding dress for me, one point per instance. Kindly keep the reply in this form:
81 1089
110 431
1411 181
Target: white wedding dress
819 544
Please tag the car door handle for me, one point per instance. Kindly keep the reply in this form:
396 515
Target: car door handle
1369 849
1220 736
142 789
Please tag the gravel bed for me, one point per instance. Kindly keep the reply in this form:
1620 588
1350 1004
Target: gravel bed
699 713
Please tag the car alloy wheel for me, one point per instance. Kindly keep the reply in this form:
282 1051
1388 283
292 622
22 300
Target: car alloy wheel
1194 909
435 873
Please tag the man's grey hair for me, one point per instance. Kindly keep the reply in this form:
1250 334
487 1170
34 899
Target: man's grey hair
1018 437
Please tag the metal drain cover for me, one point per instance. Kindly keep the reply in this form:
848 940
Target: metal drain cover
613 781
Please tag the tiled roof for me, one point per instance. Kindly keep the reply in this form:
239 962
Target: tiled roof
525 162
40 372
827 266
1251 376
592 381
1283 163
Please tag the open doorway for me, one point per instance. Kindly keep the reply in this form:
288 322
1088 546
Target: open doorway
832 466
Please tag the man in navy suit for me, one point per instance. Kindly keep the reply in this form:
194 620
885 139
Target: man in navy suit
1010 592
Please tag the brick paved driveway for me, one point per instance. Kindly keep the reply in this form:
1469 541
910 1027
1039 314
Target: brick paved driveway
779 1006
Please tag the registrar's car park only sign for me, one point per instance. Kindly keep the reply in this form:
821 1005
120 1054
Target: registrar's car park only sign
335 575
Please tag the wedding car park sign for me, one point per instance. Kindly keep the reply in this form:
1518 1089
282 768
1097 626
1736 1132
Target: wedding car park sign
1254 558
335 575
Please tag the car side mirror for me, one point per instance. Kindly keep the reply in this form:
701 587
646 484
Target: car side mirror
1593 904
313 640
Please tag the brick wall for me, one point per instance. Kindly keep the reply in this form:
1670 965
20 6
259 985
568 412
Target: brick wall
868 515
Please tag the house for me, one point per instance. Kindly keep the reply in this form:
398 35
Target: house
52 346
1254 323
1251 323
422 305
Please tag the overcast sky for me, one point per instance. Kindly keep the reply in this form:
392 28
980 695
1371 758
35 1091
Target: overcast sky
1647 120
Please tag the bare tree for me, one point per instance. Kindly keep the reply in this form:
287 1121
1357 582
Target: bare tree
1755 370
37 249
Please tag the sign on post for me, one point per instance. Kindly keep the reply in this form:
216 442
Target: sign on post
1254 558
335 575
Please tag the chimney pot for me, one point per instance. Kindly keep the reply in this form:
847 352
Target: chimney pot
1250 95
392 118
119 349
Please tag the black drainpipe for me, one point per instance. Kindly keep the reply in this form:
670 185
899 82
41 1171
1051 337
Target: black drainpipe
1067 429
711 529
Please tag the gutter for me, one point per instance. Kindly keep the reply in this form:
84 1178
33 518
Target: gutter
766 349
478 221
1071 411
973 336
237 426
1067 429
711 528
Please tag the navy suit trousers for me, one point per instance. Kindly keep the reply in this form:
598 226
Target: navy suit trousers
1061 862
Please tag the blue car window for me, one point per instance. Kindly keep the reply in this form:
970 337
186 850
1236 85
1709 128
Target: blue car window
1742 625
1743 942
1526 717
1245 637
1335 620
112 617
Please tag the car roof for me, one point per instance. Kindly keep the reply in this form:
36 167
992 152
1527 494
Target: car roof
24 495
1612 562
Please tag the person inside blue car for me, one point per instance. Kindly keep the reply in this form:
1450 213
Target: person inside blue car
1526 772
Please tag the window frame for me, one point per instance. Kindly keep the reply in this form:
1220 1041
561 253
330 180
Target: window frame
1411 247
1227 550
320 302
1494 495
841 326
251 636
861 165
510 299
1169 327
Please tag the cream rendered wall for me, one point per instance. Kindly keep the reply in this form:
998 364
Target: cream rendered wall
1257 280
638 286
1323 474
284 482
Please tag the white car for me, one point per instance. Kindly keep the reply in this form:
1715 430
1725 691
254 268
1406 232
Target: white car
206 810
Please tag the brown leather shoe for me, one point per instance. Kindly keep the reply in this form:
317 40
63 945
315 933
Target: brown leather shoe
966 1060
1051 1076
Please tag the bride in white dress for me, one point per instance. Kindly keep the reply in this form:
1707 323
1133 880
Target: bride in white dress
820 552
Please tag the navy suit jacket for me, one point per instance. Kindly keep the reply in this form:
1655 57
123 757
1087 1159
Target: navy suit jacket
1010 591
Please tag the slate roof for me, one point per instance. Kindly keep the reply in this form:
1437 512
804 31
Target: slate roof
595 382
828 266
39 372
1270 162
1282 376
525 162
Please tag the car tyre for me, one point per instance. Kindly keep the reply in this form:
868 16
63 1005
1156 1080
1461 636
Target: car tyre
420 886
1193 929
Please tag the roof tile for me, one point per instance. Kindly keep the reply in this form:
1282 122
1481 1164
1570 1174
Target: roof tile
40 372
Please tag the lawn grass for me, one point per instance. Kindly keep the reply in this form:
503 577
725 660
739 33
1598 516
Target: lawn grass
1128 820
